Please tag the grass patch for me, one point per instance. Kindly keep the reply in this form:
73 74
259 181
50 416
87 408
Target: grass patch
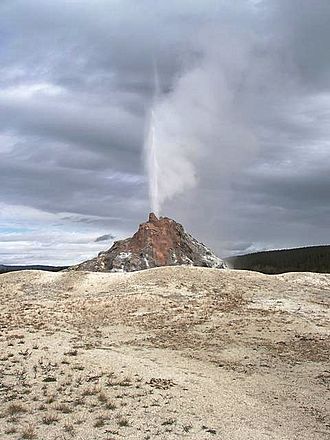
122 421
29 432
50 418
110 405
15 408
62 407
168 422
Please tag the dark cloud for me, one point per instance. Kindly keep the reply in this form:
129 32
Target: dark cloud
105 237
249 81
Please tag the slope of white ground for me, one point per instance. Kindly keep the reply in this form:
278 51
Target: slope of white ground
167 353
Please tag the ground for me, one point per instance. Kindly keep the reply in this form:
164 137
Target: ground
167 353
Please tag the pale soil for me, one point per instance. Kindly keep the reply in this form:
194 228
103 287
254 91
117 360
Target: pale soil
166 353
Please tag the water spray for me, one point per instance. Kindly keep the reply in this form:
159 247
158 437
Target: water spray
150 149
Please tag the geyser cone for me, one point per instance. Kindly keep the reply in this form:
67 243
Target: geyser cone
158 242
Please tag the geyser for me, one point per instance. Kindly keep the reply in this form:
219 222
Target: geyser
151 164
150 151
198 132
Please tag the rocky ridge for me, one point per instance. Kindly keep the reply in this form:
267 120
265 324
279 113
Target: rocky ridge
158 242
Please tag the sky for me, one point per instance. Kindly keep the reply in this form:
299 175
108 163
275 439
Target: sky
241 120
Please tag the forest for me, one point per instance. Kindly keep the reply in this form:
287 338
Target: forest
305 259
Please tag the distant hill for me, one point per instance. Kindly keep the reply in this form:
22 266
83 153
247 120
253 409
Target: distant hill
306 259
5 269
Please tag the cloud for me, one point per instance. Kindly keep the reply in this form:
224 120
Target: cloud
36 236
105 237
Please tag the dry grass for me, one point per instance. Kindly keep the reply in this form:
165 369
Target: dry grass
91 391
102 397
110 405
11 430
63 408
29 432
50 418
69 428
122 421
15 408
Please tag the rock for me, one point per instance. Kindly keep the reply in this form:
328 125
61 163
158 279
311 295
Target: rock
158 242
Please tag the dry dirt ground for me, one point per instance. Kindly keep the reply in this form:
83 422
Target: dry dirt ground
167 353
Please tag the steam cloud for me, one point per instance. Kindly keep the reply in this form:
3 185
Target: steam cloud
203 112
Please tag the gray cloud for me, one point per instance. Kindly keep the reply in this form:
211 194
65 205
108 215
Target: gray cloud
105 237
246 85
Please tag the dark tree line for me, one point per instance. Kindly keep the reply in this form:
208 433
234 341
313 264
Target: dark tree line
5 269
307 259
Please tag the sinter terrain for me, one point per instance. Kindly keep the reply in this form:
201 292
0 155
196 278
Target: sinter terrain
165 353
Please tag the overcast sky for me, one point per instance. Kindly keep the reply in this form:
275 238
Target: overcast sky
243 111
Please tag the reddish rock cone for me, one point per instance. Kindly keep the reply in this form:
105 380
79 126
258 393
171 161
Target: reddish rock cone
158 242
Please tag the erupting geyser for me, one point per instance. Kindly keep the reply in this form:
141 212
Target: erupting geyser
152 165
171 145
150 151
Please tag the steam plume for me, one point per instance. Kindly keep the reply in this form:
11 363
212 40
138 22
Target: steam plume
151 149
201 122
